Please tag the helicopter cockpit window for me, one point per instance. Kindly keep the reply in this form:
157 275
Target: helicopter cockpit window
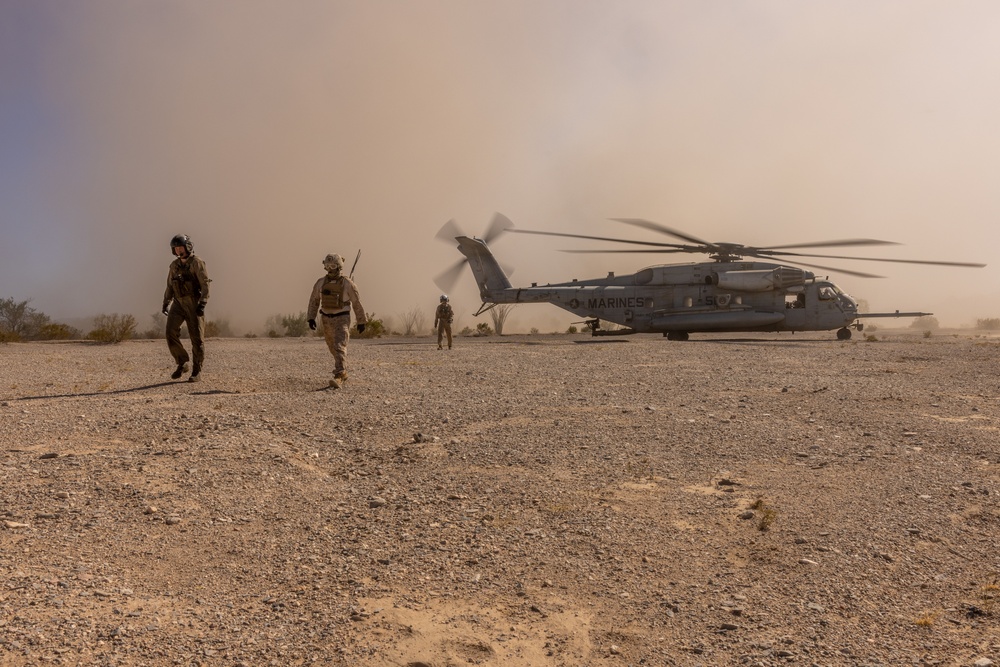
827 293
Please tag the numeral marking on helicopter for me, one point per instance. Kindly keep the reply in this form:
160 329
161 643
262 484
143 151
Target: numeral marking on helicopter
617 302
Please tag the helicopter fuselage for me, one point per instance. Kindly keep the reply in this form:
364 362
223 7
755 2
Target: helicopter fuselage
731 296
676 299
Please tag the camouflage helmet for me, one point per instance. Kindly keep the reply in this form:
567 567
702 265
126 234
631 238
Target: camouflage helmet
181 241
444 298
333 262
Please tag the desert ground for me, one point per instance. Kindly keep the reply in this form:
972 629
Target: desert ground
520 500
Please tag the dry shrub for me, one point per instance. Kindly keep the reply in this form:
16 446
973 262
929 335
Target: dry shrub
113 328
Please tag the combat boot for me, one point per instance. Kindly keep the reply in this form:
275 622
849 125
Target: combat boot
181 370
334 384
340 375
195 375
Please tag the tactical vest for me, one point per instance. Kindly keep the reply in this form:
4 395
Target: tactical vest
332 295
186 281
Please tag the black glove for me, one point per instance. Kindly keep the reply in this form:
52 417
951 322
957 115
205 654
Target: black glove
166 308
200 310
361 327
312 324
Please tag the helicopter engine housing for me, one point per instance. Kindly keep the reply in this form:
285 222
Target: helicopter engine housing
761 280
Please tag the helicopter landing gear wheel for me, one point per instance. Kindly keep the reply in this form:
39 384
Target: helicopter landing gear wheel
844 334
677 335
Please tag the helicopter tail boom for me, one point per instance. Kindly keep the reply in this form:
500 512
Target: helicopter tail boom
489 276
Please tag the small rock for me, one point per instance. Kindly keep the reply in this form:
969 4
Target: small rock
983 662
806 561
376 502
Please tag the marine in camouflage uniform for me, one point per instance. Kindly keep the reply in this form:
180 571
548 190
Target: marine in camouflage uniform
443 317
337 294
184 302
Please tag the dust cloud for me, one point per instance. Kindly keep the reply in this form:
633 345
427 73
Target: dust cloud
273 133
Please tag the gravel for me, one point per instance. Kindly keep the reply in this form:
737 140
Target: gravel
524 500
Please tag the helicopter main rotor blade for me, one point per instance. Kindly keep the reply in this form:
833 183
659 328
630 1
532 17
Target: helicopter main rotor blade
606 238
849 272
449 231
972 265
446 279
663 229
622 250
831 244
498 225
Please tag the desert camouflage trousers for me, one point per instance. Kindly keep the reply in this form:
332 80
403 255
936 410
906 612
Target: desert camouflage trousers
337 331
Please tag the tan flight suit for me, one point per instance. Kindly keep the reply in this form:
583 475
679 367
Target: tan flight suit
187 287
443 318
337 294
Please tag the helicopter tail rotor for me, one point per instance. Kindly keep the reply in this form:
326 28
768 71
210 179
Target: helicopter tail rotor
450 232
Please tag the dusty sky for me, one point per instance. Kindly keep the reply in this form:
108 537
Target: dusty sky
275 132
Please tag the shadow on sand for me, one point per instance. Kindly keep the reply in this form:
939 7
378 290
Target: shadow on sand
130 390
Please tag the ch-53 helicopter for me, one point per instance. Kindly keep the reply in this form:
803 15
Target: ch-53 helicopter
727 294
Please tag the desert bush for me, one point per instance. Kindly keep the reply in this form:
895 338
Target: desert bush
413 320
533 330
767 517
989 592
218 329
925 323
499 314
988 323
296 326
484 329
572 329
19 321
113 328
466 331
158 329
767 514
54 331
373 328
871 338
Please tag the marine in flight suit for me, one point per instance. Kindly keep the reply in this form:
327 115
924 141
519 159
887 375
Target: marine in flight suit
184 303
443 317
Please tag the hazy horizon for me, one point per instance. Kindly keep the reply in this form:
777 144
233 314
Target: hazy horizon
275 132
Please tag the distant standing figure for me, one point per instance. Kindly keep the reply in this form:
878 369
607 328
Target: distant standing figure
184 302
443 317
336 293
